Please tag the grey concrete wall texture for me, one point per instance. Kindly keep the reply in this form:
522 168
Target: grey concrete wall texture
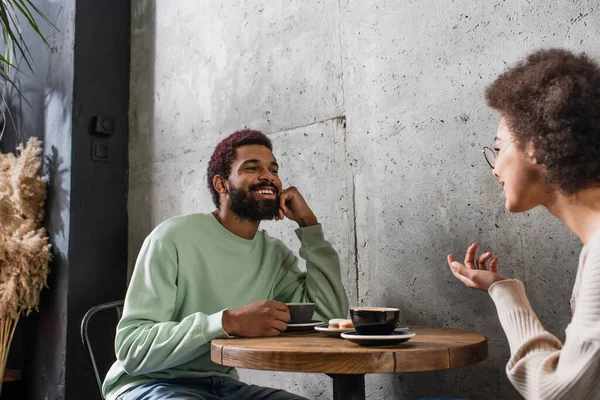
377 115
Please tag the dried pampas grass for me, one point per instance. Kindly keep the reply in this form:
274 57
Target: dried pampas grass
24 247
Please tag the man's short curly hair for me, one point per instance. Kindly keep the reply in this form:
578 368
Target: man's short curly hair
552 99
225 153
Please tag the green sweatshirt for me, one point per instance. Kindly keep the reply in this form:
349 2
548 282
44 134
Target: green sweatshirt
189 270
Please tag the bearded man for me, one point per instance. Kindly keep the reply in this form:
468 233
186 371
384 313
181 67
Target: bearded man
199 277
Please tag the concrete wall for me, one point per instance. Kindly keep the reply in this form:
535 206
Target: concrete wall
376 111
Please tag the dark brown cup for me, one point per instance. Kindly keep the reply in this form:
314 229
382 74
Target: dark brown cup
301 313
374 320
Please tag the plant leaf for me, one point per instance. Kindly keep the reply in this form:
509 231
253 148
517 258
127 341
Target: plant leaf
4 19
23 8
15 45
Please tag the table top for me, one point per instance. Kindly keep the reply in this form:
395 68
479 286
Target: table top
431 349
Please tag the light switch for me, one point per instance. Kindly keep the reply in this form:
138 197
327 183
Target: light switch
102 125
99 151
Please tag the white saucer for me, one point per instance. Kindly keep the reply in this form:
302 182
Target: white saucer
394 339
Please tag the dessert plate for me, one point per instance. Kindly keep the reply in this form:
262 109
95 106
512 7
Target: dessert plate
330 330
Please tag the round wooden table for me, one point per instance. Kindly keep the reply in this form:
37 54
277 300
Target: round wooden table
347 363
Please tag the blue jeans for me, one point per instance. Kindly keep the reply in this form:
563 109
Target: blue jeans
210 388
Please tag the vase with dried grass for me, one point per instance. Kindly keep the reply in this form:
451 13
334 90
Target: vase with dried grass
24 247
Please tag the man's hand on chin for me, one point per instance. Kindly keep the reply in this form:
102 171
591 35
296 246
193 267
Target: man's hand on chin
293 206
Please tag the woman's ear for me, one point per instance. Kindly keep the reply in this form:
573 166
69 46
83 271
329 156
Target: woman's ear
220 184
530 151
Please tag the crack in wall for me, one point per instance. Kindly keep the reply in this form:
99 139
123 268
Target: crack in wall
167 158
346 154
340 30
355 239
341 116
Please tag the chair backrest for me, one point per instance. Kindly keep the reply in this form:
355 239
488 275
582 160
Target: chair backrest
85 339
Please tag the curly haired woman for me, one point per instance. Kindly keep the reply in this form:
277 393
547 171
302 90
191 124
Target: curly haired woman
547 152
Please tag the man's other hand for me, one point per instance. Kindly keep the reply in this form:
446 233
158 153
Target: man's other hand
261 318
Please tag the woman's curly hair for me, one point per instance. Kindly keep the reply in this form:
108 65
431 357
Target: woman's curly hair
552 100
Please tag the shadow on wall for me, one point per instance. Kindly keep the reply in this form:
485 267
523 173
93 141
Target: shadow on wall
58 194
49 325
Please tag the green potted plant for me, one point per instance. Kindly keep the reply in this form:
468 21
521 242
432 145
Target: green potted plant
24 247
14 14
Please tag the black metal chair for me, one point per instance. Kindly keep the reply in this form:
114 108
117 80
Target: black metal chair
118 307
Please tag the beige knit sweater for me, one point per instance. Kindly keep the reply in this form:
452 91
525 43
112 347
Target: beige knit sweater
540 366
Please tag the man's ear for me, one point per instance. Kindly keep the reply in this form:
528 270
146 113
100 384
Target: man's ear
220 184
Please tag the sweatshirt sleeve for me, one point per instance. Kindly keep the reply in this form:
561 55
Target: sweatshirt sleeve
322 281
147 339
540 366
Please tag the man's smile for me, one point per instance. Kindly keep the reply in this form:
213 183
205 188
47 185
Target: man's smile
266 191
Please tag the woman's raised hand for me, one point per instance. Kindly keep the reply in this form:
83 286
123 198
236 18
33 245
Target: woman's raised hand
476 273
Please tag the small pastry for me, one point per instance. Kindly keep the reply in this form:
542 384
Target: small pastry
335 323
345 323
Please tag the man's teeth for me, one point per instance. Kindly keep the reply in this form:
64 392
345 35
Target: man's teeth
266 191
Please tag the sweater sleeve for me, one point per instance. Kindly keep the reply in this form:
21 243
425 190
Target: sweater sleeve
322 281
147 339
540 366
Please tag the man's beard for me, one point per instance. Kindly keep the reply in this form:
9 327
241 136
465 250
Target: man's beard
247 206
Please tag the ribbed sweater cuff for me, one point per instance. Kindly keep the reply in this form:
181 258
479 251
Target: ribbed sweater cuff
518 320
310 235
213 327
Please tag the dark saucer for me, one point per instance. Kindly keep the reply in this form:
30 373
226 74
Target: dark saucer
298 328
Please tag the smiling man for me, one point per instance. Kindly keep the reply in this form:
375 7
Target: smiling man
200 277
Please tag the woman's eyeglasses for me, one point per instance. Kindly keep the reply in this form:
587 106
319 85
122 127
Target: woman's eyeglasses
490 156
